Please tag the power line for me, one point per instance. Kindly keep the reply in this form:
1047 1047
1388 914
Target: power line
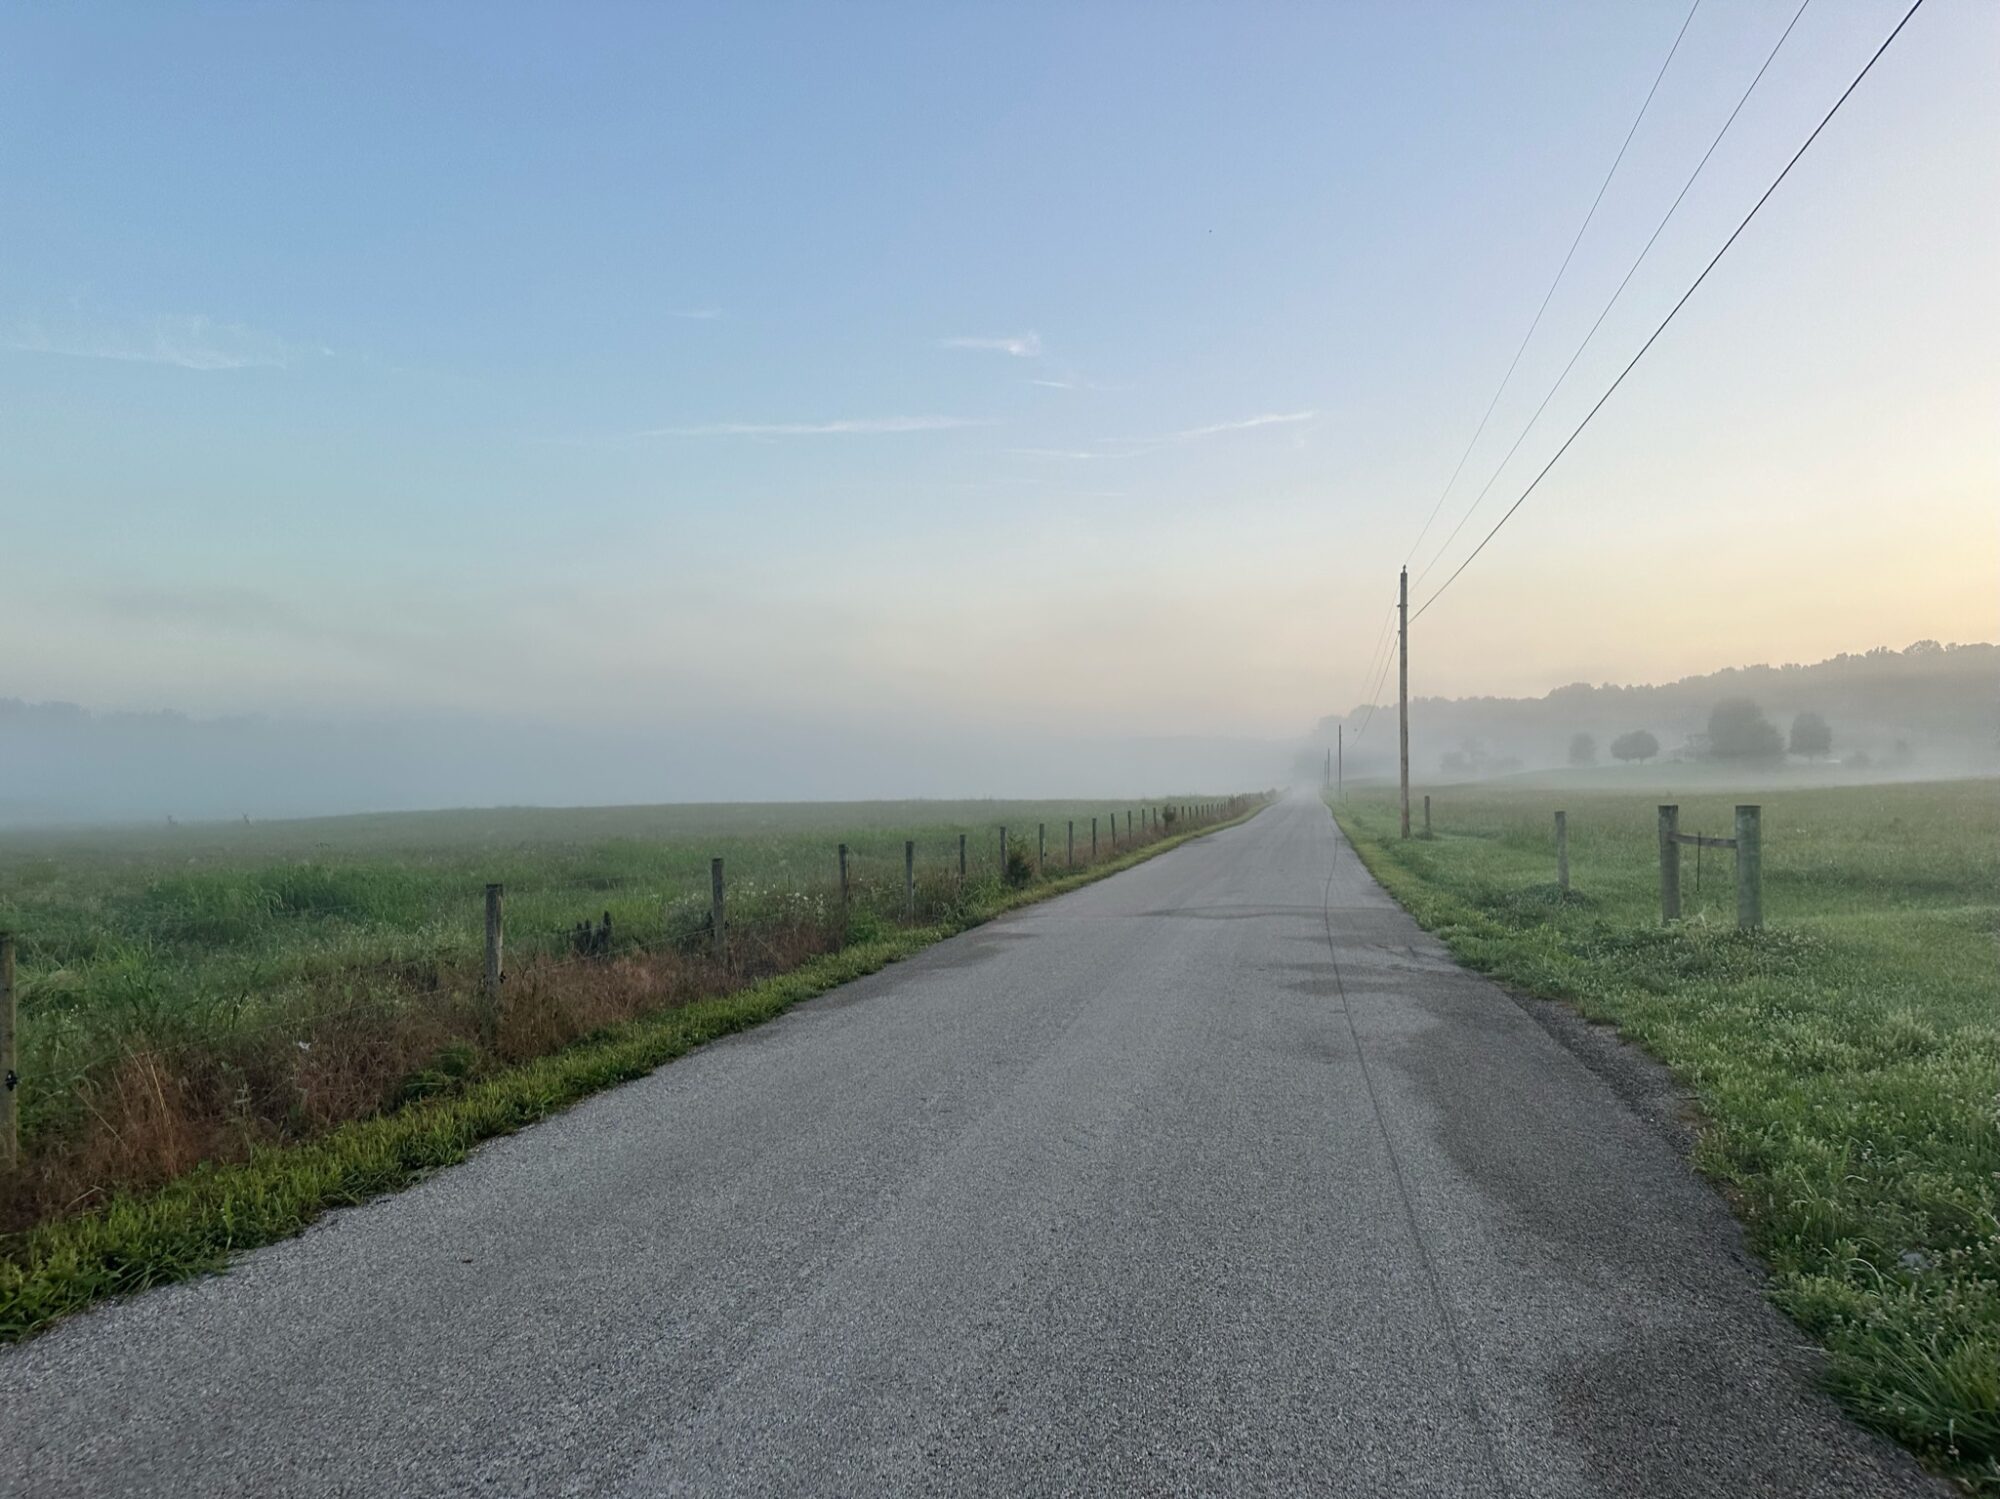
1526 338
1374 692
1845 95
1381 634
1674 207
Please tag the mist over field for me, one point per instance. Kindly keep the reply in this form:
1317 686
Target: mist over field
62 764
1928 712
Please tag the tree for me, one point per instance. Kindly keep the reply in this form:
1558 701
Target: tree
1812 736
1637 745
1738 730
1582 750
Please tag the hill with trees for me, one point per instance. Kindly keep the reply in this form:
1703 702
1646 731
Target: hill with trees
1928 710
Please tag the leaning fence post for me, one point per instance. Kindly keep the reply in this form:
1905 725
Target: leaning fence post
961 858
1562 851
1749 868
494 895
843 876
716 921
910 878
10 1077
1670 863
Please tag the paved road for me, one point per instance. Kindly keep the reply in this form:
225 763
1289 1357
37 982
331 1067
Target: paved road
1215 1177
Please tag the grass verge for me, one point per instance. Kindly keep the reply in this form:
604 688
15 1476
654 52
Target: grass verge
1845 1059
194 1224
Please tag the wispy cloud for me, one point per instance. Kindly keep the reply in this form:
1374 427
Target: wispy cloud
1073 382
696 314
187 341
1268 419
851 426
1134 447
1021 345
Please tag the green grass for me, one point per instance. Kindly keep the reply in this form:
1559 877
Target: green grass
1845 1060
194 1223
186 935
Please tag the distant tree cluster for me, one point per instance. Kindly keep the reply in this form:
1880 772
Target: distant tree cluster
1738 730
1637 745
1812 736
1471 759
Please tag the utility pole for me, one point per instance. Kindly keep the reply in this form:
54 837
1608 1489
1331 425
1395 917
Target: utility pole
1340 762
1403 687
1327 779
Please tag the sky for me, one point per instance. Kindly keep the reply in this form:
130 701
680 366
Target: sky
1035 370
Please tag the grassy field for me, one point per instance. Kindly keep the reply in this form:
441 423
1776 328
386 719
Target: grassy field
1846 1060
191 994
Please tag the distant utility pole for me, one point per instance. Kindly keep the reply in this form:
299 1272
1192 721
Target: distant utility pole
1340 762
1327 779
1403 687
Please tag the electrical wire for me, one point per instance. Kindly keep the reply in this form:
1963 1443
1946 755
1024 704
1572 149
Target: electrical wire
1500 468
1846 94
1561 270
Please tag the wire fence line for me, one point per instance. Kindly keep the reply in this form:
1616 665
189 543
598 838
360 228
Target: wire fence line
768 922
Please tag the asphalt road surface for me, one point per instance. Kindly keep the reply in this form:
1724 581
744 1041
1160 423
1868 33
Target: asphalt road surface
1214 1177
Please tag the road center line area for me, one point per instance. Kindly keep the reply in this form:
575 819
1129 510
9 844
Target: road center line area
1217 1176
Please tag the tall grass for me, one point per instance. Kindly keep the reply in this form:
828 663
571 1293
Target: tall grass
192 995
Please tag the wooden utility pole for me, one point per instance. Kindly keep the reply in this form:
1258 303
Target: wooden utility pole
1403 689
1339 762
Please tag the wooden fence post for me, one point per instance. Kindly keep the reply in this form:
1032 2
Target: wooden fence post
1070 861
1749 868
1670 863
1562 851
716 917
1093 840
1003 853
843 877
1041 846
494 973
1427 817
10 1076
910 878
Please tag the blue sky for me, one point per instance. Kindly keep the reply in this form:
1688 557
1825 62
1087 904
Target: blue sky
1041 367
